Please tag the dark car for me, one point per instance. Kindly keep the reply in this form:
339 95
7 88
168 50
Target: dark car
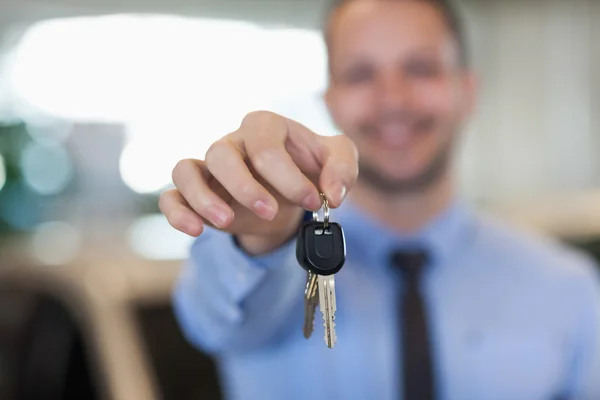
96 333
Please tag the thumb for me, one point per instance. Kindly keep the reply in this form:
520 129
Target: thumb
340 168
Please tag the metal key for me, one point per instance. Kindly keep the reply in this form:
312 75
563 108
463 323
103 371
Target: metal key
321 251
310 303
327 305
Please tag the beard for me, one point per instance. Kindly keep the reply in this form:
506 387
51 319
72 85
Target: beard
431 174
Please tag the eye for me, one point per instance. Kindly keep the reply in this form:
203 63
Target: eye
422 69
358 74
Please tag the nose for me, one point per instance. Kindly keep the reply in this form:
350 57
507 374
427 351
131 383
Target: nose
393 91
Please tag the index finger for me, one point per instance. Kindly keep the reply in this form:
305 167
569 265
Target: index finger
266 139
340 168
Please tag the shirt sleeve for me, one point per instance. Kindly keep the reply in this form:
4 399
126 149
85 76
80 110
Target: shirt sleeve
226 300
585 382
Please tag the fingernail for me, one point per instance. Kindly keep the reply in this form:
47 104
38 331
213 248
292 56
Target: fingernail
312 202
264 210
218 215
339 193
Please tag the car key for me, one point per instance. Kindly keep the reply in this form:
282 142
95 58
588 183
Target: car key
321 251
311 300
311 296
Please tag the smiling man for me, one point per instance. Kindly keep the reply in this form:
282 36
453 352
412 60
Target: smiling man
435 301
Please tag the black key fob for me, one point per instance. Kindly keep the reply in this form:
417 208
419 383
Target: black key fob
321 247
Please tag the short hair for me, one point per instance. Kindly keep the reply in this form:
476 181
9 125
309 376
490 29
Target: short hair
448 10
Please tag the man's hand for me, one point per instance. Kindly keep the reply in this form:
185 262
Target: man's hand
256 182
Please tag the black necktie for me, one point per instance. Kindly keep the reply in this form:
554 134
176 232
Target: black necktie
418 376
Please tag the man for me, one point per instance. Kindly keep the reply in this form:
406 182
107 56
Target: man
487 313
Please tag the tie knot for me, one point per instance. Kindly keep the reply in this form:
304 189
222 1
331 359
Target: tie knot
410 262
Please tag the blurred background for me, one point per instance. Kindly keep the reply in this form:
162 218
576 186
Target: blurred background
100 99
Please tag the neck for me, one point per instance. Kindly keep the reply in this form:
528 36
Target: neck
404 212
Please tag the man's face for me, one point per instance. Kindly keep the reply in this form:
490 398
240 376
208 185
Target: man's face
397 89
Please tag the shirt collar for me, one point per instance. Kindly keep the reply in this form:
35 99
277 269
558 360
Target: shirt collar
372 241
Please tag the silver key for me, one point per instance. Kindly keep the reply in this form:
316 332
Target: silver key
321 251
326 286
310 303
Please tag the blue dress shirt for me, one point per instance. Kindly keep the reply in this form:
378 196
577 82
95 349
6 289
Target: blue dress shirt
513 316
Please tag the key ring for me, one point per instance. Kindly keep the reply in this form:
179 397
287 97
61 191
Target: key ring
325 212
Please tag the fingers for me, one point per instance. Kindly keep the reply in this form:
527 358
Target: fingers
190 177
267 159
335 157
225 161
179 214
264 137
340 168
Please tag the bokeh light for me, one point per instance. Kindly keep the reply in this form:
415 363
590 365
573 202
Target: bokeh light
90 73
55 243
47 168
153 238
176 94
142 170
45 129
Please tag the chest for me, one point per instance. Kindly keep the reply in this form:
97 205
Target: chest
489 341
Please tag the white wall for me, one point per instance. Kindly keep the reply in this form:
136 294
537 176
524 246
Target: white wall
537 128
535 131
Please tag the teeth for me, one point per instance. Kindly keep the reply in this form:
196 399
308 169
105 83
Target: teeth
401 129
395 134
394 137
